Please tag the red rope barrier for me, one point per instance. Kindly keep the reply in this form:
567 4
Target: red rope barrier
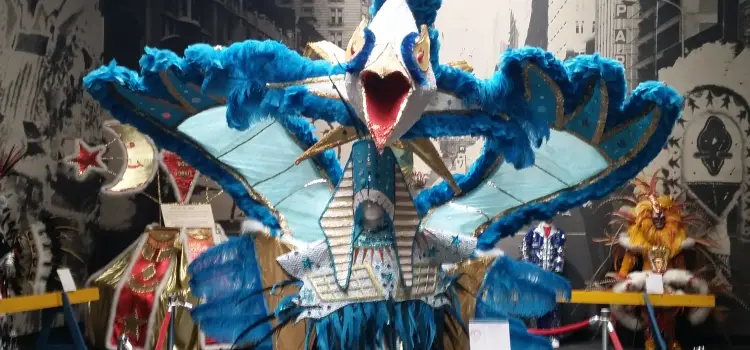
163 330
613 336
560 330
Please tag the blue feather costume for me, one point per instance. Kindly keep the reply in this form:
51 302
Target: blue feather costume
352 256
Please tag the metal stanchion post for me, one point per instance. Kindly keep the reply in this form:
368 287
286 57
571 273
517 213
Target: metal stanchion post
604 320
124 343
172 310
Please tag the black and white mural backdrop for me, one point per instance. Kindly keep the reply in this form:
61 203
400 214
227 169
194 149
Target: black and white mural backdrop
707 157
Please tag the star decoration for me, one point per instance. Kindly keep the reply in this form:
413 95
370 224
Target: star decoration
87 158
133 325
307 263
455 242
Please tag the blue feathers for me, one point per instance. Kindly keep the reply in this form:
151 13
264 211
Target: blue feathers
520 289
407 52
358 62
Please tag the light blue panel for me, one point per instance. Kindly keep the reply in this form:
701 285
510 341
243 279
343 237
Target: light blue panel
209 129
465 214
163 112
620 144
285 184
562 162
303 209
543 104
569 159
584 123
264 155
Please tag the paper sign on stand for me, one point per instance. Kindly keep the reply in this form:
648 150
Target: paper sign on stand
655 284
490 335
66 280
187 215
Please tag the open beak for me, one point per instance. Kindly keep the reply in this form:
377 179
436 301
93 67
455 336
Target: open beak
386 87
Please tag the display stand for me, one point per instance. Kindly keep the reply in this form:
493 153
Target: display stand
48 320
604 321
51 305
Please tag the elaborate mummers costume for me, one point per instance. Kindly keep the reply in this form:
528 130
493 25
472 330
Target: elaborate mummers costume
656 237
544 246
350 256
135 286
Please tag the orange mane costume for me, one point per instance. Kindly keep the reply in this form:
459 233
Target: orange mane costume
643 234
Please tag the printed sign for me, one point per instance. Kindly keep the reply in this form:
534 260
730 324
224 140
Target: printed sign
621 11
187 215
622 58
621 36
489 335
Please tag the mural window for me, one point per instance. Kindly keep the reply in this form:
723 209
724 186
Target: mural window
578 27
308 1
593 26
339 1
308 11
169 27
337 16
183 8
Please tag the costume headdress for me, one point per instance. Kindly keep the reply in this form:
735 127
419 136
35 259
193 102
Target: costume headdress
359 253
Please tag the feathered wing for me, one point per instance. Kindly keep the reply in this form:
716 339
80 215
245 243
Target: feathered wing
597 140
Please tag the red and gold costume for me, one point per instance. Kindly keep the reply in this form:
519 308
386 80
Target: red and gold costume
136 285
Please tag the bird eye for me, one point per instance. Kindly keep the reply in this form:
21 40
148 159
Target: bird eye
357 41
422 49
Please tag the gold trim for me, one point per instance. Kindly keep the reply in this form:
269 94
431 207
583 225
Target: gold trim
560 108
646 111
338 136
425 150
638 147
148 272
586 100
312 49
462 65
603 112
283 226
217 99
164 75
314 80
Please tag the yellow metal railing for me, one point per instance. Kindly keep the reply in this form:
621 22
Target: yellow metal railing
46 301
658 300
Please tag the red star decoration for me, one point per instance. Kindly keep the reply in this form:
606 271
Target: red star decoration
87 158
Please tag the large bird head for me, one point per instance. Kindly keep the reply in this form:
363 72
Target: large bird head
389 77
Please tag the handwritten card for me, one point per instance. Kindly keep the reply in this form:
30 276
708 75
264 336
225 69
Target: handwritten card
655 284
490 335
66 280
188 215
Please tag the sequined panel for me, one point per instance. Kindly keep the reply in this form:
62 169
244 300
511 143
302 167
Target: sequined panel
424 283
338 223
362 286
405 225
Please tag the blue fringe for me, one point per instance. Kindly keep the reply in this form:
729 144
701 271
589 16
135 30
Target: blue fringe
360 60
228 276
517 288
407 52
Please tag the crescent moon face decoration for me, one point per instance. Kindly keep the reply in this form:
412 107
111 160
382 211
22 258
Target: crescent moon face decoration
139 154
